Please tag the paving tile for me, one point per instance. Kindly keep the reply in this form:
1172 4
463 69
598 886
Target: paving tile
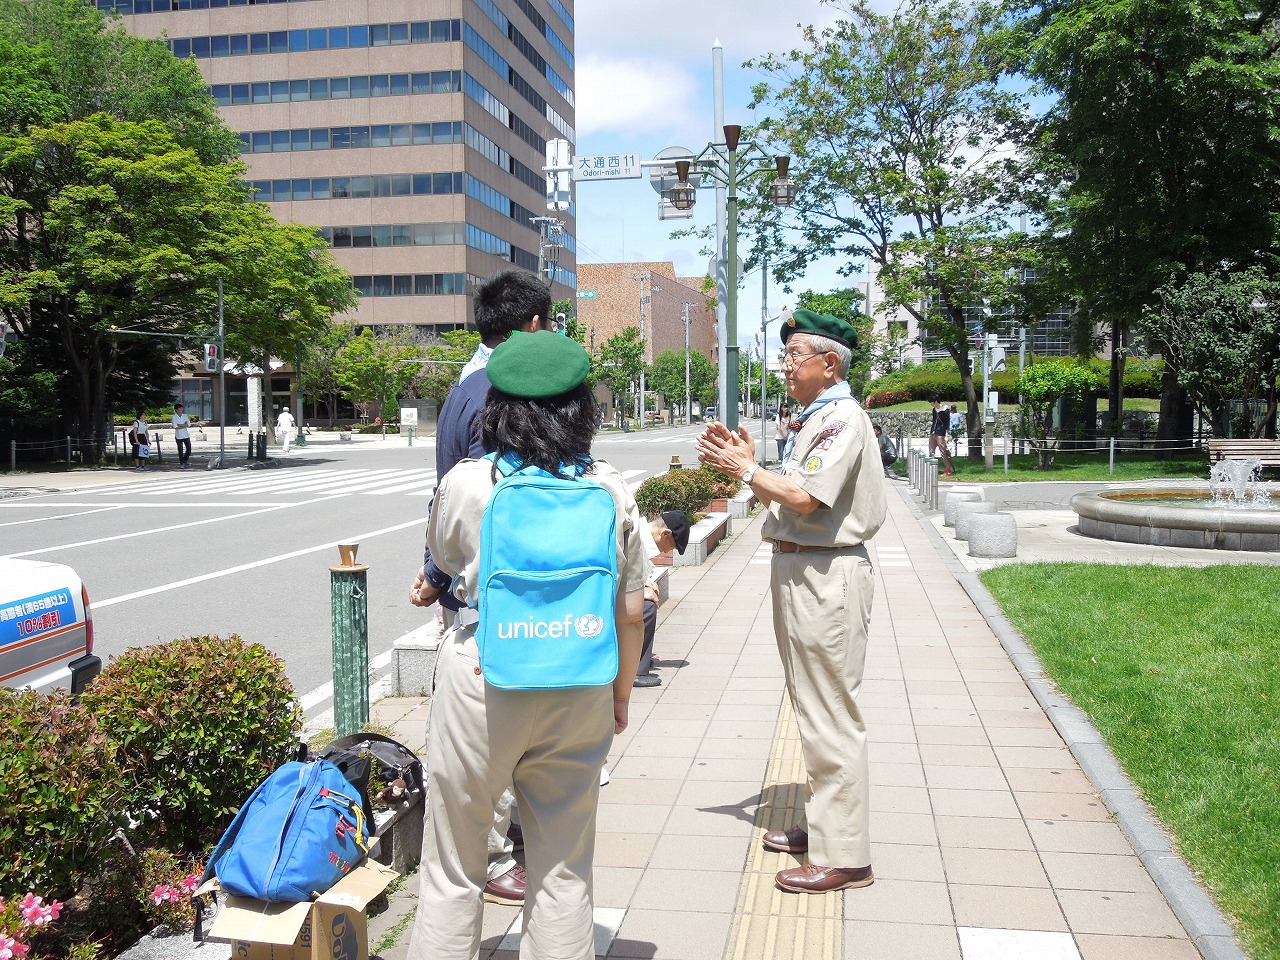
663 747
969 735
1097 871
983 832
906 861
671 935
722 822
903 827
876 940
720 793
1100 947
1007 908
724 768
1028 716
625 849
897 775
880 751
892 733
745 748
1030 780
650 768
615 886
640 790
663 729
965 778
640 817
1078 837
682 852
984 944
888 799
900 901
1061 806
1122 914
994 868
1024 737
974 803
1041 758
699 891
741 729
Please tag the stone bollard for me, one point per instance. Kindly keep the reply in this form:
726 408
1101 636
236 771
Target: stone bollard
954 499
993 535
965 510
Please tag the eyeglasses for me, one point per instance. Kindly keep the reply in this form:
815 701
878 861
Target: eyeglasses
796 359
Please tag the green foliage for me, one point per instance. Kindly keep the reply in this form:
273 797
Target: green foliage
688 490
894 120
887 398
1040 387
448 356
666 376
1222 334
28 394
60 794
620 361
168 878
320 363
376 367
1176 668
199 722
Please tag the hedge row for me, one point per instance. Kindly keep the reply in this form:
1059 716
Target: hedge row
687 490
1142 378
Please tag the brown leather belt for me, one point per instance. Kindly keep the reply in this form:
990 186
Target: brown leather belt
786 546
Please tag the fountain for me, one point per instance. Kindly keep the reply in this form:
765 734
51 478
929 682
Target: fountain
1236 511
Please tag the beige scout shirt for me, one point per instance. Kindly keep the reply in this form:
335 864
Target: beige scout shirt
453 533
837 462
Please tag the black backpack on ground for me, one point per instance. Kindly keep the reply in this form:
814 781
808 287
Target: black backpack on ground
356 756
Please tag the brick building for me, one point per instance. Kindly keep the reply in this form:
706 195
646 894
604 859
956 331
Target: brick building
609 301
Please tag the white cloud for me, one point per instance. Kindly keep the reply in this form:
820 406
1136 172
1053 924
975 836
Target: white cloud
620 95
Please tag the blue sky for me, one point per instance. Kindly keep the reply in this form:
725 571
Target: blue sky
643 84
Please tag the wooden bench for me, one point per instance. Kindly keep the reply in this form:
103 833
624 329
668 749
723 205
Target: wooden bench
1268 451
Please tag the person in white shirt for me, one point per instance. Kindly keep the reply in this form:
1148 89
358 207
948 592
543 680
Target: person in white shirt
284 427
141 444
182 435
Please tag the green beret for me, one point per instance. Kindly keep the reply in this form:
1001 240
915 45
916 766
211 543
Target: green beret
823 324
542 364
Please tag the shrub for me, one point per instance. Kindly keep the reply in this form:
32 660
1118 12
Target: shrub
687 490
199 722
167 883
59 794
887 398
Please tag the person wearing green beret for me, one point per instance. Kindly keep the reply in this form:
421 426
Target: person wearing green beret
547 744
824 506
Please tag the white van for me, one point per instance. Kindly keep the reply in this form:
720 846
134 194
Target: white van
46 629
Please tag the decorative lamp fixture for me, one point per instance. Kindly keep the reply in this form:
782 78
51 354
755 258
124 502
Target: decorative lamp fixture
732 134
783 190
683 195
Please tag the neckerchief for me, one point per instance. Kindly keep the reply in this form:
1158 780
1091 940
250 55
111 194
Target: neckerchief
837 391
479 360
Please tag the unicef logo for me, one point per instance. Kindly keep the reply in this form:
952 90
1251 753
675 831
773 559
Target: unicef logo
589 626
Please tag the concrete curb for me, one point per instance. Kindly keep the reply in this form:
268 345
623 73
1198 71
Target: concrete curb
1189 901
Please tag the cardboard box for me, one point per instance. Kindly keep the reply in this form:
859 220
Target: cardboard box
333 927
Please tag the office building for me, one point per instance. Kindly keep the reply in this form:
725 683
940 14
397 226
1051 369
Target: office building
410 132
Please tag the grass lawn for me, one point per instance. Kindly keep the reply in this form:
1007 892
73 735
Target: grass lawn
1082 466
1179 669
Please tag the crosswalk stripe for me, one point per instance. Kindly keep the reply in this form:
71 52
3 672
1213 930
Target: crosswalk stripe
426 481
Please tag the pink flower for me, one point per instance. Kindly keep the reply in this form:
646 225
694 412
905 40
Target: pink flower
54 910
11 949
158 896
34 913
190 883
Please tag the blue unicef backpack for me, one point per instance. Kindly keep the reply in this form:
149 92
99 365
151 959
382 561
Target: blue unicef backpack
297 835
548 581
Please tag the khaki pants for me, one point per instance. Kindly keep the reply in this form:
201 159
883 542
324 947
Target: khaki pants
821 609
548 745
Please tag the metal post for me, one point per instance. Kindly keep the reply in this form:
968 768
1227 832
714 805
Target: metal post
222 385
301 440
643 411
688 397
764 367
349 591
1111 459
933 485
731 349
13 456
253 443
262 444
725 394
68 451
1007 444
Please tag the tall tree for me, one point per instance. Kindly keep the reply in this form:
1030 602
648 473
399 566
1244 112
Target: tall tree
666 375
377 366
1162 137
321 363
620 361
899 128
844 303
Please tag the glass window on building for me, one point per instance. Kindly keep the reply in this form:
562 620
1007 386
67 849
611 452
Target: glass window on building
196 394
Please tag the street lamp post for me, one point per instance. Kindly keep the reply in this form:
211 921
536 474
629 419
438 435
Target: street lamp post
688 399
721 163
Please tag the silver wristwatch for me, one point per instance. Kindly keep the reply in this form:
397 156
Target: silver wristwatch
751 472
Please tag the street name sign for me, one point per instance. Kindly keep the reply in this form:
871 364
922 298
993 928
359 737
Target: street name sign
607 166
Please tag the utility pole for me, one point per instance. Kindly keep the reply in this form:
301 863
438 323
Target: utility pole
688 399
764 361
222 384
642 277
550 240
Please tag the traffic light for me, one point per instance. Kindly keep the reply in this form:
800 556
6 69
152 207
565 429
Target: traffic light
211 358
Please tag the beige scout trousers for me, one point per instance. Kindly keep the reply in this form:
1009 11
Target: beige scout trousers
549 746
821 609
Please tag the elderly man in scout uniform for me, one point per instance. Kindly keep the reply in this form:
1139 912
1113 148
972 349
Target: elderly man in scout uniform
823 507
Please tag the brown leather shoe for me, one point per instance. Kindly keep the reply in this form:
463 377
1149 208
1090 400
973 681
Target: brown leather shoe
508 888
516 836
795 840
812 878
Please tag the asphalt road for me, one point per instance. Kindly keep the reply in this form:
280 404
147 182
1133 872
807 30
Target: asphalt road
247 551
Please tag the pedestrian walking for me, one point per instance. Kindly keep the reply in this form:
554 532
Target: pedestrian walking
939 431
285 428
823 508
182 434
782 429
549 744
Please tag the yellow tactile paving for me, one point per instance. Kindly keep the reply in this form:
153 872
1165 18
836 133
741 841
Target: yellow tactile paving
769 923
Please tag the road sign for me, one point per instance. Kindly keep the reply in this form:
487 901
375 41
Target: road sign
409 416
607 166
586 294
